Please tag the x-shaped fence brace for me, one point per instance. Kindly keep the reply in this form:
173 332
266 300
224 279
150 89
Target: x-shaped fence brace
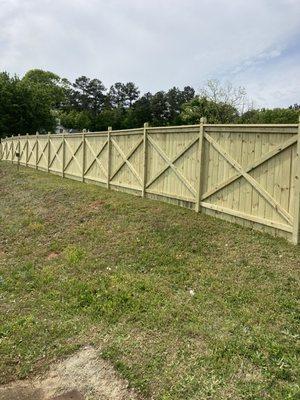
42 153
171 163
9 148
31 150
23 148
4 149
56 153
73 155
125 159
96 158
244 172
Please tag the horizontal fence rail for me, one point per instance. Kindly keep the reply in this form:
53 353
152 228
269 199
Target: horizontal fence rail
248 174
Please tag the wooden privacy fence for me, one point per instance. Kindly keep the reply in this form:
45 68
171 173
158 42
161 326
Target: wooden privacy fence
247 174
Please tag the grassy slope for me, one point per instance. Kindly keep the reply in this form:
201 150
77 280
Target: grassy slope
80 264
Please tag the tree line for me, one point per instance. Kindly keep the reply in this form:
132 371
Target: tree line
38 100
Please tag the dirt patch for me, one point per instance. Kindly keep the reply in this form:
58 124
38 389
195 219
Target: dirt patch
73 395
22 391
52 255
96 204
85 375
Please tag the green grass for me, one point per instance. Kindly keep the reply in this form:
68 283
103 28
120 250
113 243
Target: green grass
80 264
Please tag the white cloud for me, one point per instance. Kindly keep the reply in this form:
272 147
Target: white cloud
158 44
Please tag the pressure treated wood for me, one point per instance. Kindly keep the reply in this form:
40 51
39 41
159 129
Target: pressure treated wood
200 162
145 144
248 174
296 227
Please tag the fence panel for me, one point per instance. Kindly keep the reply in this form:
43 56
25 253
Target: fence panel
56 154
126 160
23 149
249 174
96 158
32 144
73 146
42 158
9 150
172 162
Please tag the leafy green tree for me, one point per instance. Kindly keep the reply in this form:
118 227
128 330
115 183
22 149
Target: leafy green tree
273 116
114 117
87 95
159 109
117 95
132 93
31 104
122 95
216 113
140 112
176 98
49 85
76 119
24 107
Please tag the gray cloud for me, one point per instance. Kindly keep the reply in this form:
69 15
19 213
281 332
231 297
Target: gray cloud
159 44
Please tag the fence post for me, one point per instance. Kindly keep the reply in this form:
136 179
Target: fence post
19 151
63 154
83 156
146 125
36 150
12 149
108 156
200 164
1 149
296 228
26 152
48 153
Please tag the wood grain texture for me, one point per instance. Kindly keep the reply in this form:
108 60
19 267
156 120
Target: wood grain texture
247 174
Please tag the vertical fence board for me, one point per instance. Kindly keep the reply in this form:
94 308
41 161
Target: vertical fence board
296 227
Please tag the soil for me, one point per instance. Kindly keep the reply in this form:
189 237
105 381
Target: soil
83 376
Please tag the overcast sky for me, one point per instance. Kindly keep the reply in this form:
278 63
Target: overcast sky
159 43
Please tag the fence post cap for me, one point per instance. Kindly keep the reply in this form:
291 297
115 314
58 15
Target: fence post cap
146 124
203 120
